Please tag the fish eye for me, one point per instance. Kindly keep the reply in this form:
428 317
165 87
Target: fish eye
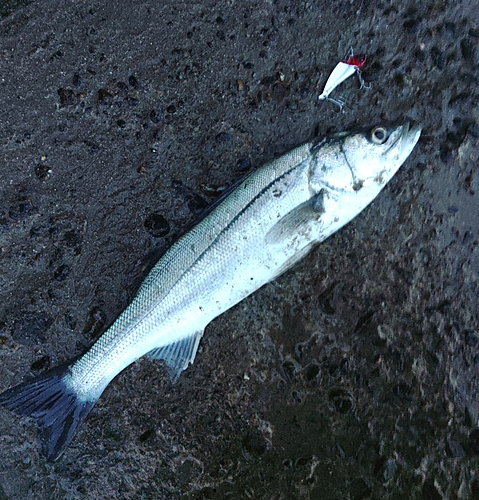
379 135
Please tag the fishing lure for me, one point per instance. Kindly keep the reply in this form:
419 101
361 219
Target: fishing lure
343 70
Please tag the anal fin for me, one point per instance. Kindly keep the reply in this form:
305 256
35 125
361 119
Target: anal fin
178 355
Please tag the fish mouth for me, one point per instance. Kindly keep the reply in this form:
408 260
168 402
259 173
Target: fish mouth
405 141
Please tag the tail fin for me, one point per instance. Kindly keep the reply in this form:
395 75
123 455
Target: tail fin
55 406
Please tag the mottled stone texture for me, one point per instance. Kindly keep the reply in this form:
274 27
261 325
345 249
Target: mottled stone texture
354 376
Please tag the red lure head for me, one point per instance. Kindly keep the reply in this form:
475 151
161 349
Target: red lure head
357 61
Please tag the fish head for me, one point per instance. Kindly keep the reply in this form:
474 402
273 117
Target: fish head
360 160
350 169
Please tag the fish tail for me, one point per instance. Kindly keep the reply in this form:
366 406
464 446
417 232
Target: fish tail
57 409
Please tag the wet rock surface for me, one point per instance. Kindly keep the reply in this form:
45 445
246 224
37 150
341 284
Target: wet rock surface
353 376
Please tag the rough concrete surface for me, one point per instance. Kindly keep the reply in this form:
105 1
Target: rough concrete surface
353 376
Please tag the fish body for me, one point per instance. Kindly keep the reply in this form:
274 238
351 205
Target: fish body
263 227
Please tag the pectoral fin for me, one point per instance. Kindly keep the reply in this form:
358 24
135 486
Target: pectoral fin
296 221
178 355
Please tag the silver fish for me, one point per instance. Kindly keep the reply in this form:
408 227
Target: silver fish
266 224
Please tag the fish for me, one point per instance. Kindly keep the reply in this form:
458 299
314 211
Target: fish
263 226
